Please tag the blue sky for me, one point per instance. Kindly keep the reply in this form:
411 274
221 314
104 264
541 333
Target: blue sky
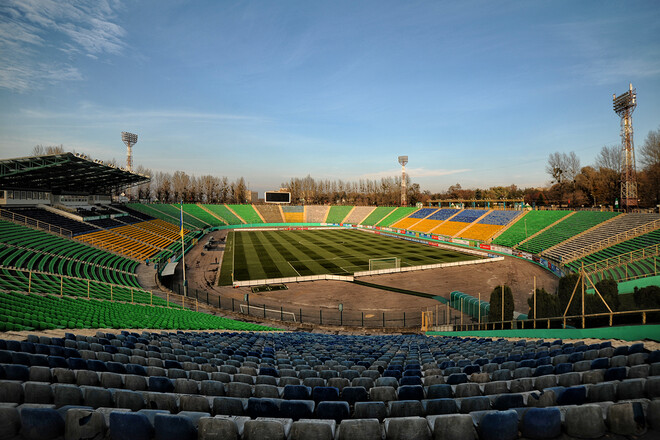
475 92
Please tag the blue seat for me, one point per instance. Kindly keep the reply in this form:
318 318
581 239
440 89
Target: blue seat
354 394
439 391
530 363
410 380
297 409
575 357
541 423
576 395
57 362
325 394
130 426
440 406
20 358
96 365
116 367
622 350
296 392
174 427
38 360
469 369
336 411
26 347
563 368
508 401
17 372
615 373
54 350
411 392
600 363
543 370
499 425
41 422
169 363
262 407
266 371
392 373
457 378
136 369
77 363
160 384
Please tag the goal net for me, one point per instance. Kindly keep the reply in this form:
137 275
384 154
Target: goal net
384 263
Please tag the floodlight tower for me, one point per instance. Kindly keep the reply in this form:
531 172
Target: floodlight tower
403 160
624 105
129 139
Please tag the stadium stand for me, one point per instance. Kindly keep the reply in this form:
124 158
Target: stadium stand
459 222
141 240
489 225
133 213
414 218
566 228
316 213
303 385
225 214
618 225
250 213
105 223
52 218
396 215
611 268
294 214
174 211
170 216
29 249
435 219
30 312
270 213
337 214
530 224
202 214
358 214
377 215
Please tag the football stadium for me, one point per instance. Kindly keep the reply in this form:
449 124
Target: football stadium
307 321
208 291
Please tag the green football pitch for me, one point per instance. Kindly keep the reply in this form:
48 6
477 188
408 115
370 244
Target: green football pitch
253 255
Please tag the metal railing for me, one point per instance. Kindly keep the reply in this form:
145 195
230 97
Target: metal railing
605 319
34 223
610 241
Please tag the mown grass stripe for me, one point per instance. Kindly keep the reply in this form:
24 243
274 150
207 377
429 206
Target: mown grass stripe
306 259
278 266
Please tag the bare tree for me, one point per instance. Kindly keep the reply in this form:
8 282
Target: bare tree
40 150
610 158
563 167
649 154
181 186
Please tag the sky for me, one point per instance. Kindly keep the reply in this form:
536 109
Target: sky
473 92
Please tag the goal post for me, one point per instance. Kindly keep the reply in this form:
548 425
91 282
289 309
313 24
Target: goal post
384 263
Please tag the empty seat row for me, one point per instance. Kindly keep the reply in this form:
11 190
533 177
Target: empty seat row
586 421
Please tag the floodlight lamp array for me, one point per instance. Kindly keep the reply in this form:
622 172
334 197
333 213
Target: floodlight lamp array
129 138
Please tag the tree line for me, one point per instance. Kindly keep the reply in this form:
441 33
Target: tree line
383 192
571 185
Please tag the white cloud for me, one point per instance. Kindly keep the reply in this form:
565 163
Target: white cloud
31 29
414 172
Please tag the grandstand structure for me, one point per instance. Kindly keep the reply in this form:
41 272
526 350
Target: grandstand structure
69 260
